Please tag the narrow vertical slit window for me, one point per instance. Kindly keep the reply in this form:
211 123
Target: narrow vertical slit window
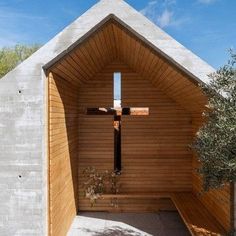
117 89
117 121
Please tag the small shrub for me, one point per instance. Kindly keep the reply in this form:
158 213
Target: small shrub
98 183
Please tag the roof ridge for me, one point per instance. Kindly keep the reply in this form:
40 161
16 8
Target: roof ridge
135 22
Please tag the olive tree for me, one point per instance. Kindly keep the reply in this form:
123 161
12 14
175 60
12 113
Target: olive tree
215 143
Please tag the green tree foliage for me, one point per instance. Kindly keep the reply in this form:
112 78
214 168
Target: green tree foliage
13 56
215 143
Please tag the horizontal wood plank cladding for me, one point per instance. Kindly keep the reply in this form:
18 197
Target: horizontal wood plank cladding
155 154
63 151
96 142
129 205
155 148
196 217
218 202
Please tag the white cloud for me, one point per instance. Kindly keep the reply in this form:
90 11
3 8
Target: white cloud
165 19
206 1
162 13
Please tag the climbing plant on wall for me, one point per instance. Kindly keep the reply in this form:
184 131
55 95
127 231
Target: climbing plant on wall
215 143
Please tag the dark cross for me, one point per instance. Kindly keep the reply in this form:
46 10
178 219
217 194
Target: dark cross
117 111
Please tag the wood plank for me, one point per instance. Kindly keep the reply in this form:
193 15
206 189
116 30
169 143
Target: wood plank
197 218
156 145
63 145
136 196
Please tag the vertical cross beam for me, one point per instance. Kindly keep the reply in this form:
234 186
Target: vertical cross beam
117 118
117 144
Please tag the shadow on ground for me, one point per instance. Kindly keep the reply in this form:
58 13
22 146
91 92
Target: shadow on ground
128 224
115 230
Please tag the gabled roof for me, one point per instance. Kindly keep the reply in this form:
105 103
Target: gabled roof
134 21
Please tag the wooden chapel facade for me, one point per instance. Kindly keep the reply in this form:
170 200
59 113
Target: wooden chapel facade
75 71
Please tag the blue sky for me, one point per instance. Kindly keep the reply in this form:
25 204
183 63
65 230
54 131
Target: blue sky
206 27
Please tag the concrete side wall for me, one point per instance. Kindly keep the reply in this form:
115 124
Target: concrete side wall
22 185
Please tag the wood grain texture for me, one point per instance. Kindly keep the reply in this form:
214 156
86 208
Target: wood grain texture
63 150
155 153
196 217
96 137
155 148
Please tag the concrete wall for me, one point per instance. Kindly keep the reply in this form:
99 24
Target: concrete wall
22 182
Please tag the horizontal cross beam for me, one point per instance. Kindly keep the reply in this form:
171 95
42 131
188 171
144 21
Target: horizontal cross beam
128 111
